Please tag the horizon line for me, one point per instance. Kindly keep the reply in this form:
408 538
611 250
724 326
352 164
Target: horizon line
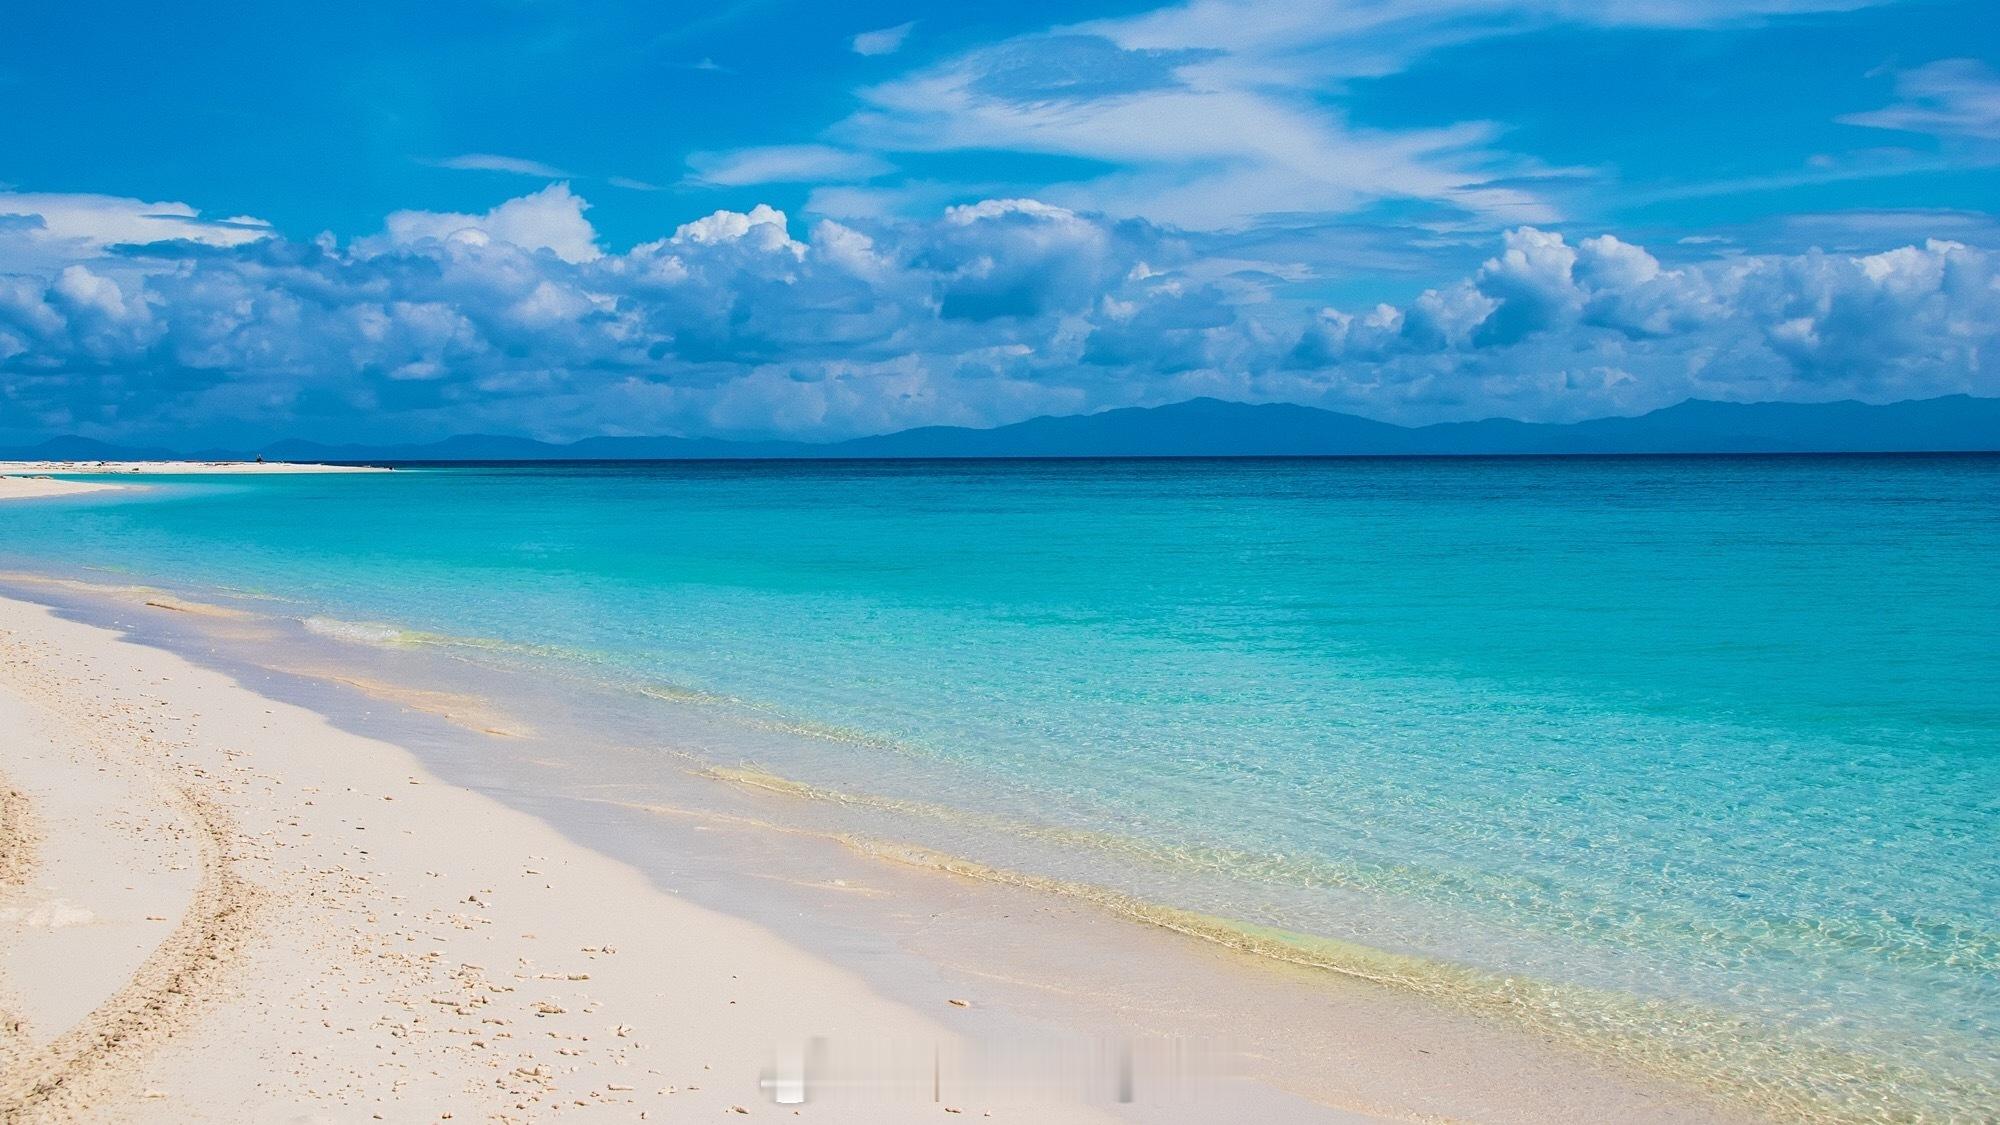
258 447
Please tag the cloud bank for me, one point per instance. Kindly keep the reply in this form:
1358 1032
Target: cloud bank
131 320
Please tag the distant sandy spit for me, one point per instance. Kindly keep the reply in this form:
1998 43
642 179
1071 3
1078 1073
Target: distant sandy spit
219 907
178 468
36 488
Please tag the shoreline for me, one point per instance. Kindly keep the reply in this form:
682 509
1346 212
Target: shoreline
48 480
60 468
1376 1051
321 925
48 487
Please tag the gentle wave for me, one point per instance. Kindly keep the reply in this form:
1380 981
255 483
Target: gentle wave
745 713
1908 941
362 632
1778 1070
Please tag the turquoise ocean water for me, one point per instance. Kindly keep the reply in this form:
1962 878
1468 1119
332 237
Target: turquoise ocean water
1697 755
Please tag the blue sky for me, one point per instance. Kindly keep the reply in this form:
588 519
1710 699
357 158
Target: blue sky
817 220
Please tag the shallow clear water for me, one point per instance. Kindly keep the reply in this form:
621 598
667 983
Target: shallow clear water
1719 734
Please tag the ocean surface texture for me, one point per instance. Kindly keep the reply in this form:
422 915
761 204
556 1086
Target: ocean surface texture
1695 760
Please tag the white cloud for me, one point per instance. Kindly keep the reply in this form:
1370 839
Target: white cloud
1909 322
1197 144
885 41
763 225
550 219
1220 113
783 164
1368 36
52 227
488 162
1950 97
516 320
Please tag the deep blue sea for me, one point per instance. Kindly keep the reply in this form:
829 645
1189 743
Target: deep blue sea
1699 754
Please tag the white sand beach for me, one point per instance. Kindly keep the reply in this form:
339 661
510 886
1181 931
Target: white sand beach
175 468
217 907
41 487
30 480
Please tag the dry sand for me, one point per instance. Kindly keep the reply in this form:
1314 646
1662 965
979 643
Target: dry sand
36 488
177 468
219 907
33 480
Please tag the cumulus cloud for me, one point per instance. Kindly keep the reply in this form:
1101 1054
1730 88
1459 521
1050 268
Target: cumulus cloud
518 320
1555 329
550 219
884 41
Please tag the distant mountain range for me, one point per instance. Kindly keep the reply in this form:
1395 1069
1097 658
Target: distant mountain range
1207 427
